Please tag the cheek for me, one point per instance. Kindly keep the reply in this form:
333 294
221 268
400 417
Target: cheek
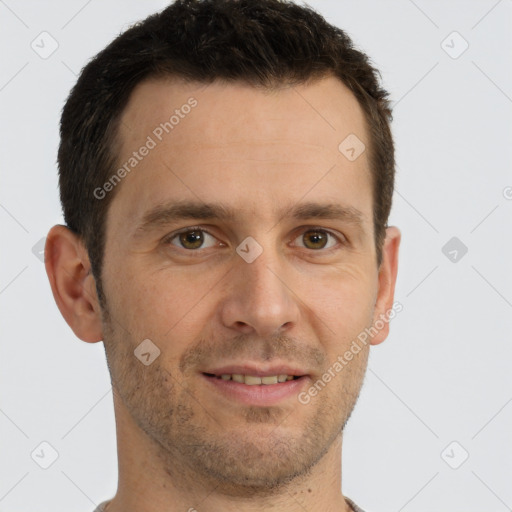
162 305
345 308
344 298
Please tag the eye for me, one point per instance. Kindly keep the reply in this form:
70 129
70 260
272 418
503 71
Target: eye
195 238
191 239
317 239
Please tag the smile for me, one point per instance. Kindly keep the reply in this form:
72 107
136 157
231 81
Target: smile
254 380
255 390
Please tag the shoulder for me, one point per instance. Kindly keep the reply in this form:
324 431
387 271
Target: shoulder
355 508
101 507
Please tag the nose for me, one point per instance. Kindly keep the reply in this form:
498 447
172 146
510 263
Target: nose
259 298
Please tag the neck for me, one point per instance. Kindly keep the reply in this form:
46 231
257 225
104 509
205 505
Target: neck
147 484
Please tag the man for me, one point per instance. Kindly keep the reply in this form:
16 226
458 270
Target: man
226 174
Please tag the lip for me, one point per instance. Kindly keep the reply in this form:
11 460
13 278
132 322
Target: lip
264 395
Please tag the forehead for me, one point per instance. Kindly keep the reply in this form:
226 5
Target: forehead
229 112
249 147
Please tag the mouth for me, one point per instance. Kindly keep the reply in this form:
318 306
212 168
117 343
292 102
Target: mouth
254 380
255 387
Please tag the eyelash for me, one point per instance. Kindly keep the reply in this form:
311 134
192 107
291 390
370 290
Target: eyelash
168 239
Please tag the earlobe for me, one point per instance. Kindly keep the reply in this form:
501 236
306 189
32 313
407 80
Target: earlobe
387 279
73 286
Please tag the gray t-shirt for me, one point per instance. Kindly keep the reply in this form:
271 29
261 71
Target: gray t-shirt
353 505
101 506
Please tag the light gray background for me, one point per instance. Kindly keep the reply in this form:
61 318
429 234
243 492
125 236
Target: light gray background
443 375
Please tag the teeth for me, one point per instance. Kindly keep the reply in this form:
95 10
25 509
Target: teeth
252 380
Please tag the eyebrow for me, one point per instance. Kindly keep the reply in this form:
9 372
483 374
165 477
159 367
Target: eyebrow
165 214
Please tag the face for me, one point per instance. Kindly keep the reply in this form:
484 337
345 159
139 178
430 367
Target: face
240 243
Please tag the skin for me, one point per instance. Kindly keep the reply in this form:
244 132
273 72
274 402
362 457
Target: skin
181 444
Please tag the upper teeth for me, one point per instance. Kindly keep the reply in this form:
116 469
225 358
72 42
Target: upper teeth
252 380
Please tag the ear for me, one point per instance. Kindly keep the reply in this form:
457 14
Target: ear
73 285
387 278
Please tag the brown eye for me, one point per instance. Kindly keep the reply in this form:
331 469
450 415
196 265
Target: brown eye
191 239
317 239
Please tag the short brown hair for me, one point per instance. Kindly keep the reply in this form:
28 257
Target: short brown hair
264 43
